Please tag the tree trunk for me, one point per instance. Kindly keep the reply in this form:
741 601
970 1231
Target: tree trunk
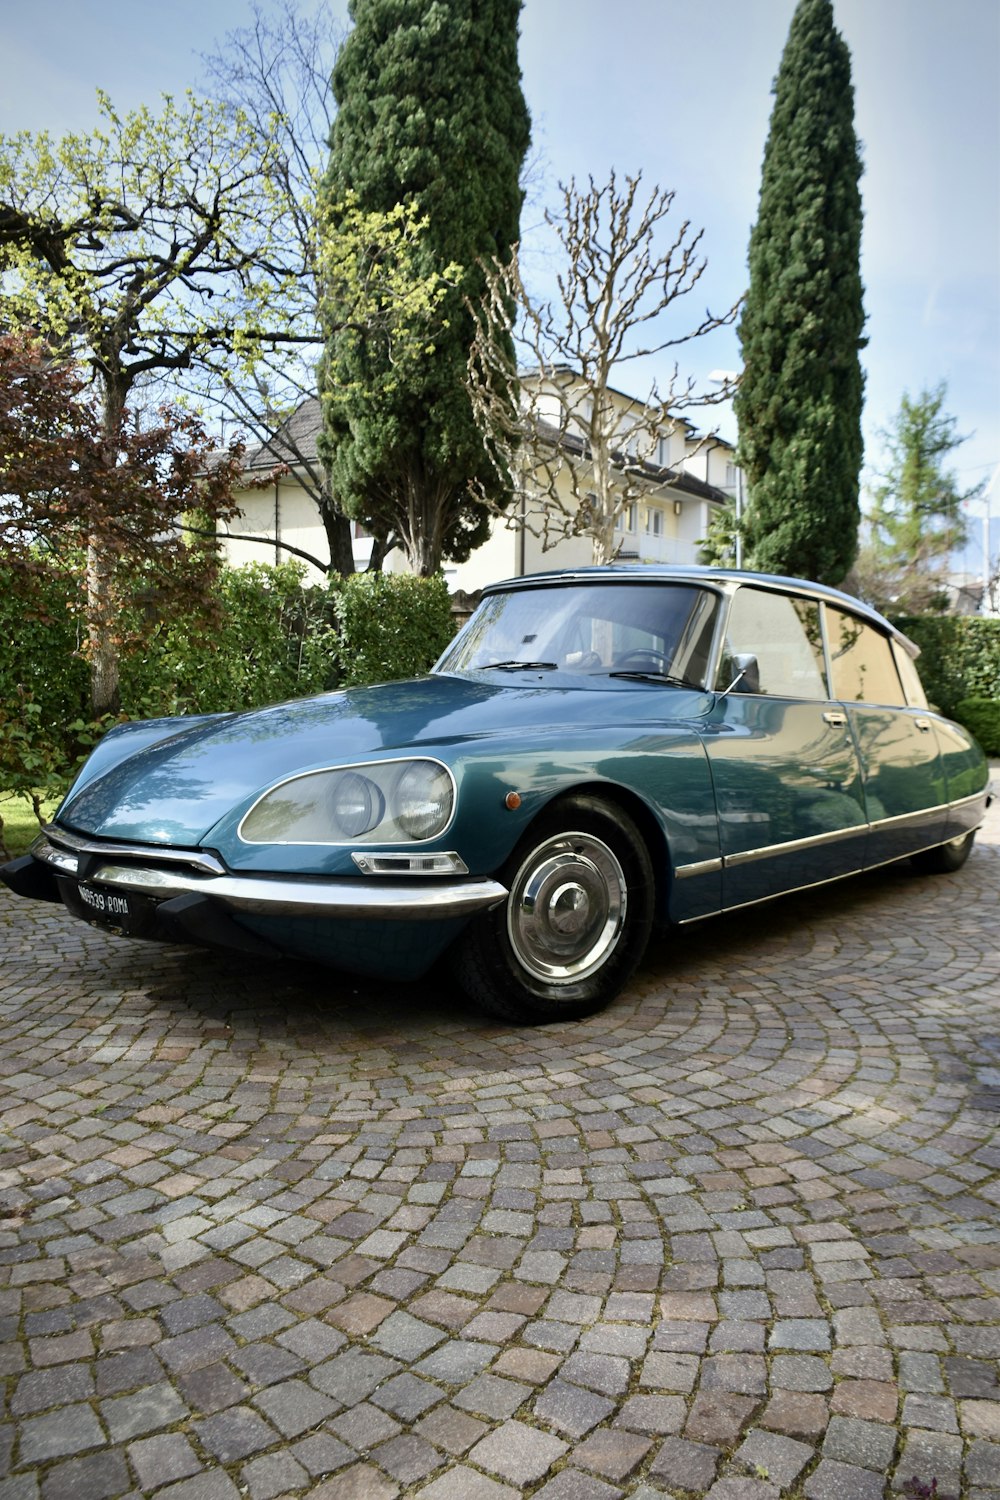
340 540
101 603
104 680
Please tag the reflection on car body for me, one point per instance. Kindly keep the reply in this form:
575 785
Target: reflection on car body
596 751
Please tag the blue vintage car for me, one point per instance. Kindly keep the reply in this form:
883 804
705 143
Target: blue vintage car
595 752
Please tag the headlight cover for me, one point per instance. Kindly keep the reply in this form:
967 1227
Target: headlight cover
386 802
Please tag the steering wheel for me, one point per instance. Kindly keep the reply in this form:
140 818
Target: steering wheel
641 660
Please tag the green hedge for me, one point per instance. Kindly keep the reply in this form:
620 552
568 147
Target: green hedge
959 658
981 717
274 639
390 625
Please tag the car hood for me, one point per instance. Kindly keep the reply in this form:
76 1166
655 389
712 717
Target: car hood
171 782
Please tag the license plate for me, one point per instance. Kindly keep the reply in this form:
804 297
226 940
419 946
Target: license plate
105 906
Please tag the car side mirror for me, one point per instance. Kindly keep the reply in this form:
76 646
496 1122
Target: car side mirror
747 679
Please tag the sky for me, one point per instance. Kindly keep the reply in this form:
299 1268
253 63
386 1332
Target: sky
681 94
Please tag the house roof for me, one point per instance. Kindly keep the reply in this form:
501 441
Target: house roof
294 442
653 474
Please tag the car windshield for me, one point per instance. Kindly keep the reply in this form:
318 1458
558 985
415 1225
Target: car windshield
656 630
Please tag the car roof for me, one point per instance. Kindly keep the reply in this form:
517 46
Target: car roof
728 579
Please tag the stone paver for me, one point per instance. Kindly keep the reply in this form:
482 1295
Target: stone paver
279 1233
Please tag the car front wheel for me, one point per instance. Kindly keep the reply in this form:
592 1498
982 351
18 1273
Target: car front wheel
944 858
575 923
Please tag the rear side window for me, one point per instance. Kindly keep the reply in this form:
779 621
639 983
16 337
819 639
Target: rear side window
783 633
864 669
912 686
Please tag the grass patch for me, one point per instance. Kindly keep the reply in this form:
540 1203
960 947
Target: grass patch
18 824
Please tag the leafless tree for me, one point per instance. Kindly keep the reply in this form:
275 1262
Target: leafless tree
277 72
579 450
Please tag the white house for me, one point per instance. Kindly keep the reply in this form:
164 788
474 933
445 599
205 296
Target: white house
675 483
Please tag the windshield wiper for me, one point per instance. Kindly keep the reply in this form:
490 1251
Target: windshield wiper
514 666
636 675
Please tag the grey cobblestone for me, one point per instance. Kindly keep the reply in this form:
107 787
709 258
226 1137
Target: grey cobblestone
280 1234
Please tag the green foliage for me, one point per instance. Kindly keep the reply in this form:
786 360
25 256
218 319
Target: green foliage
138 250
119 239
981 717
431 115
917 519
391 625
959 657
800 397
273 639
717 548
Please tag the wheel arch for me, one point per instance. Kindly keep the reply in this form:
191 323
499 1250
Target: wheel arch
642 816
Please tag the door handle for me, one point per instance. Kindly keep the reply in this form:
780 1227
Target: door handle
923 725
831 716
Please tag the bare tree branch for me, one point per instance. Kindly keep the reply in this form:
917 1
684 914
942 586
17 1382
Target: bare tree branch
578 450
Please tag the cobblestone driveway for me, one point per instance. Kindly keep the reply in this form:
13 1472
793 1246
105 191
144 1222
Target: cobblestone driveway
272 1233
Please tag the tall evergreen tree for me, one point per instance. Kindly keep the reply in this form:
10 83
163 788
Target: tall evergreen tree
800 398
918 518
430 112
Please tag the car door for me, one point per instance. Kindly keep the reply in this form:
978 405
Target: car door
784 764
906 794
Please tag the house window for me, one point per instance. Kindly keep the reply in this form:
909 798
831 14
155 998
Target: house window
654 522
732 476
626 519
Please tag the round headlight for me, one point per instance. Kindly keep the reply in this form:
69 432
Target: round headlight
423 799
356 805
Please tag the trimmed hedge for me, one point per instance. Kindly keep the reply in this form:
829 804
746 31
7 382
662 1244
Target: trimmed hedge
959 658
390 625
981 717
275 639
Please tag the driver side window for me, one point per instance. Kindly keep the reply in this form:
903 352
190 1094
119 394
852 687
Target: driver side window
783 634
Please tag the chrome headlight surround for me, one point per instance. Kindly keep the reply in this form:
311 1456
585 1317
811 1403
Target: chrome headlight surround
406 801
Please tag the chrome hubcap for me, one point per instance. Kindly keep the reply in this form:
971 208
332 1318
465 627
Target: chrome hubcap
567 908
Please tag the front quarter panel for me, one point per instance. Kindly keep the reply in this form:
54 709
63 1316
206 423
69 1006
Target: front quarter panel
502 786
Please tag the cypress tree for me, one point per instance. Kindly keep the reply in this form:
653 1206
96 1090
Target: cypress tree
800 398
430 113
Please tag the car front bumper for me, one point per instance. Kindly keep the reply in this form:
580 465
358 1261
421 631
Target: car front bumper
188 895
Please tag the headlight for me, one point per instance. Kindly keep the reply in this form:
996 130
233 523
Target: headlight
423 799
396 801
356 804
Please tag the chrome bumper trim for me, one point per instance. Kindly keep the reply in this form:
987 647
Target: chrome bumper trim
283 896
195 859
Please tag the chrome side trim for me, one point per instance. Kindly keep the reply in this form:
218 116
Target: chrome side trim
196 858
777 895
276 896
794 846
985 797
911 819
701 867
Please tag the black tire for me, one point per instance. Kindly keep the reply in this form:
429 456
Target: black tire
576 921
944 859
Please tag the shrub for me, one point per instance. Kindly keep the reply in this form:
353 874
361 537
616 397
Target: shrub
959 657
275 639
981 717
391 625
